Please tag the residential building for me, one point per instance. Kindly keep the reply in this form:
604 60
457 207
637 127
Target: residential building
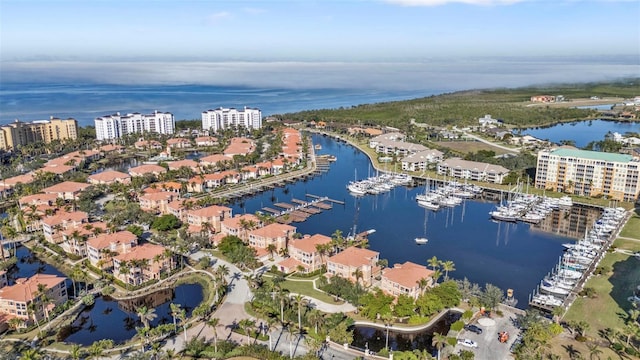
543 98
147 169
472 170
178 143
304 253
487 120
207 219
67 190
394 144
74 239
188 163
224 118
20 133
406 279
354 261
147 145
206 141
157 201
143 263
274 234
240 146
240 225
421 160
216 159
52 226
102 248
590 173
15 299
109 177
116 126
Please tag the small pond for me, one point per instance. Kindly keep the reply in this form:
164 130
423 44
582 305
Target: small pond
365 337
108 318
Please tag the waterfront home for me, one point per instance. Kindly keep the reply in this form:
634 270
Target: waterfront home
52 226
157 201
190 164
170 186
231 176
195 184
278 166
240 146
147 145
304 254
75 158
207 219
55 169
109 177
240 225
141 264
249 173
102 248
590 173
9 183
265 168
178 143
389 144
369 132
206 141
406 279
354 264
74 238
216 161
147 169
110 148
275 234
291 144
472 170
179 207
421 160
37 200
15 299
67 190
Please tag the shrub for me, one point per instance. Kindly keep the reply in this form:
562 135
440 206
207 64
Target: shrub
631 351
452 341
457 326
581 338
467 315
617 347
499 313
588 292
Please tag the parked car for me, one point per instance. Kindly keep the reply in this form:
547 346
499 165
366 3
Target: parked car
467 343
473 328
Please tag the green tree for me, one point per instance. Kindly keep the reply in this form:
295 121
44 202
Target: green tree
146 315
448 266
439 341
166 222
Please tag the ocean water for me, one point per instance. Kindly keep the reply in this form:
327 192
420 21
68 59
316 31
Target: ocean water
84 101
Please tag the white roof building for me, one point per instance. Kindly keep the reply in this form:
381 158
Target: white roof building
115 126
223 118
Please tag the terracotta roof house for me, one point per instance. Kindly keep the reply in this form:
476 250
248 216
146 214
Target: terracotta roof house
67 190
38 199
240 146
141 264
109 177
74 238
196 184
147 169
405 279
179 143
213 160
52 226
55 169
346 263
20 179
147 144
211 215
305 251
273 234
240 225
206 141
178 208
109 148
157 201
193 165
15 299
102 248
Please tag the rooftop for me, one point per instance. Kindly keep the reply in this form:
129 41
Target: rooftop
593 155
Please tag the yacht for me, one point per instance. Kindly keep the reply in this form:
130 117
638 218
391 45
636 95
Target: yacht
421 241
429 205
553 289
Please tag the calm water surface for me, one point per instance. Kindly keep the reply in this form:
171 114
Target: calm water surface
582 132
507 255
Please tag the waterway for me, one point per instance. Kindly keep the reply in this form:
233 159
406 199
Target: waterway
582 132
374 339
508 255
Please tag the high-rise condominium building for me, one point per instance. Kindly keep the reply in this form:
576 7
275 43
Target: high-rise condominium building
590 173
116 125
20 133
222 118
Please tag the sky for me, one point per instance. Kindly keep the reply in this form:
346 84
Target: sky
167 41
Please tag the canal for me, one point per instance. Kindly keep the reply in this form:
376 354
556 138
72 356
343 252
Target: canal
582 132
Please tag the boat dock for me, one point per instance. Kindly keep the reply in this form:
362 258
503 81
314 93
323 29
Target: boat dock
325 199
300 210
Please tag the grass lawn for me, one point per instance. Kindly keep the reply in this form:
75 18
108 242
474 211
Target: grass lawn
632 228
306 288
627 244
610 307
466 147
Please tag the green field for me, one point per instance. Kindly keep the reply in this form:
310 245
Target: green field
306 288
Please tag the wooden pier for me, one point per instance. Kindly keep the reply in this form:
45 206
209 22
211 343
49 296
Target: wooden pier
273 211
325 199
323 206
284 205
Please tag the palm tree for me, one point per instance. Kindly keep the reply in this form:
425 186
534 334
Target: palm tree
146 315
436 275
271 248
316 318
44 299
247 325
300 302
95 349
557 313
175 310
31 354
423 284
213 322
438 341
76 352
448 266
388 322
433 262
594 351
358 274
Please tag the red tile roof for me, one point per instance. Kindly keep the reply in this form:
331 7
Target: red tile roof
354 257
103 241
273 230
109 175
147 169
26 289
66 187
308 244
407 274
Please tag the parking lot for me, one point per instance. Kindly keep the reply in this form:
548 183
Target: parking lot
489 347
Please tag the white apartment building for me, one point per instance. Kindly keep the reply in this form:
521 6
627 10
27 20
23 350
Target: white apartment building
223 118
116 125
590 173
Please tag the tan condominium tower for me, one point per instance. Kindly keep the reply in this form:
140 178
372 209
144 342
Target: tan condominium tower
21 133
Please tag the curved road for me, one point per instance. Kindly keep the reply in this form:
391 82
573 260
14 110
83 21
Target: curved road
477 138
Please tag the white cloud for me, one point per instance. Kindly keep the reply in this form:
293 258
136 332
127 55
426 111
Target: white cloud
216 17
444 2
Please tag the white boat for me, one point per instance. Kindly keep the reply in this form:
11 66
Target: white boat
565 201
421 241
552 289
428 205
357 189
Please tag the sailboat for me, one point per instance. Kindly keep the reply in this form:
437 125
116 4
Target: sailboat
423 240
